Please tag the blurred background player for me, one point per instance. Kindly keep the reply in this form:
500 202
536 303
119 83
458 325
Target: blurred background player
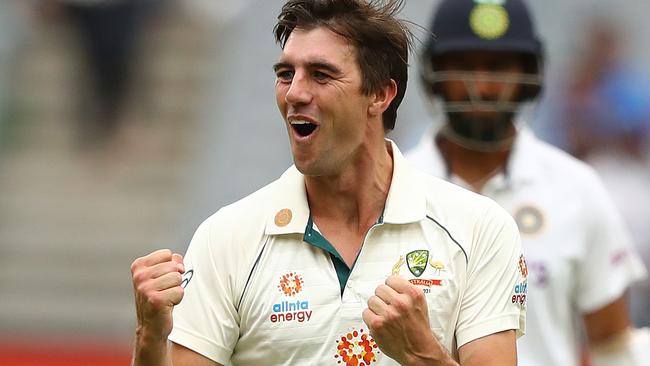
601 114
109 32
484 64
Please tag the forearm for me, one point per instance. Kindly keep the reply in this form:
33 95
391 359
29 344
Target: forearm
434 355
151 351
630 348
612 340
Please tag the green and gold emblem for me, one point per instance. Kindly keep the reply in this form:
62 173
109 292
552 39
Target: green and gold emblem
489 21
417 261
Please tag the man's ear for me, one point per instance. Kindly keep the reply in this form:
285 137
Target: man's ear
380 101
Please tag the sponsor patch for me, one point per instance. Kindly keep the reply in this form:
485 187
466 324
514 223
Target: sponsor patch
520 291
293 309
539 273
523 267
619 256
356 348
287 311
291 284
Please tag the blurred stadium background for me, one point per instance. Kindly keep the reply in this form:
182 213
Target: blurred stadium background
124 124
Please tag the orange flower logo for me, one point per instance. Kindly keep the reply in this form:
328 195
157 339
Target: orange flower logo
356 349
290 284
523 268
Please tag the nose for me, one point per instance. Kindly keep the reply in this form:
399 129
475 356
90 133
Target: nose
485 88
299 92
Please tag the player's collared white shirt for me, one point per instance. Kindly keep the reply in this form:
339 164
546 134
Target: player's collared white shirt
579 254
263 287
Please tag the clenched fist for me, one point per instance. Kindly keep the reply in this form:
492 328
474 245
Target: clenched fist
398 320
157 281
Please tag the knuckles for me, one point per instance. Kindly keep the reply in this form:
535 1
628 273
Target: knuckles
376 324
139 276
401 303
374 299
161 255
177 299
141 287
415 293
177 278
136 265
158 300
394 315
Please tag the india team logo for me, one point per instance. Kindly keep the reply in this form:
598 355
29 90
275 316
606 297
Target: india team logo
417 261
489 20
356 348
530 220
291 284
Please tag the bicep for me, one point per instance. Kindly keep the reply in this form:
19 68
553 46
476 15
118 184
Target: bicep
496 349
183 356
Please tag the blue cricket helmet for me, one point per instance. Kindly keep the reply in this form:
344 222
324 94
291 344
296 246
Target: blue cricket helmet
484 25
492 25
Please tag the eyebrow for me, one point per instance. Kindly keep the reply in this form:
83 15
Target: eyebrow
281 65
312 65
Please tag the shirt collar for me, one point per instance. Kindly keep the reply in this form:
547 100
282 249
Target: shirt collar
427 148
289 213
522 164
406 201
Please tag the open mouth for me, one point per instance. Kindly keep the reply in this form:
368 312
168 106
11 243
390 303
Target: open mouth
303 128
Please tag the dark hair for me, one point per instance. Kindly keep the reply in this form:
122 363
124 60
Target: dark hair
382 41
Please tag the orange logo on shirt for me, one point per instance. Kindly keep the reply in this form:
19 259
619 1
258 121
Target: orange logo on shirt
523 268
356 349
291 284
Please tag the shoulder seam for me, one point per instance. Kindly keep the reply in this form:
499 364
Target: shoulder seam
451 237
250 274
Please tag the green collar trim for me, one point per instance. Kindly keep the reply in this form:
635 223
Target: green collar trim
315 238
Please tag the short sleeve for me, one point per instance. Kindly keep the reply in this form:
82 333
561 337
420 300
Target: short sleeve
495 296
610 262
206 321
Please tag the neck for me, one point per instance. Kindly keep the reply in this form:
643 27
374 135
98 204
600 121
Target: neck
474 167
357 195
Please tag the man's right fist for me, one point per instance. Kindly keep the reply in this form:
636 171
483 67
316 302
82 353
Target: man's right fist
157 281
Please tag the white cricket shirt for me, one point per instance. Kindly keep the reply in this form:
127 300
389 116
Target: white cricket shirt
579 254
263 287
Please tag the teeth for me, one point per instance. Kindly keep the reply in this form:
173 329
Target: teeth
300 122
